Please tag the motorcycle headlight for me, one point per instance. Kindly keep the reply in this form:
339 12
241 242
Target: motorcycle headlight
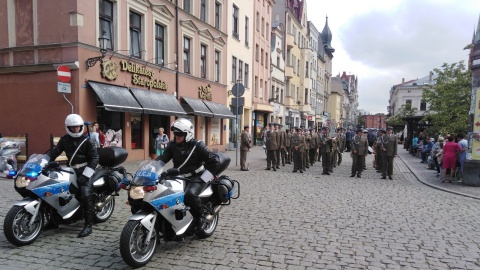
136 192
22 182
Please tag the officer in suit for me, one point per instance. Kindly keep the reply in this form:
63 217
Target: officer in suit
359 146
245 145
288 147
297 143
325 150
341 144
389 151
271 143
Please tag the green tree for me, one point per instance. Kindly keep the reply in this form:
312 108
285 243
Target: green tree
405 111
449 99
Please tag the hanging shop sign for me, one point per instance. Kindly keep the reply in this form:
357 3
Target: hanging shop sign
109 70
205 92
142 76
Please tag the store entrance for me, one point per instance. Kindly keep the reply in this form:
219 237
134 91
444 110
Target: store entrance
157 122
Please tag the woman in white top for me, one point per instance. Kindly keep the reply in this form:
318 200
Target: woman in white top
161 142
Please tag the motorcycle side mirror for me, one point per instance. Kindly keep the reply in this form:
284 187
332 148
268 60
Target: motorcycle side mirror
10 162
173 171
53 164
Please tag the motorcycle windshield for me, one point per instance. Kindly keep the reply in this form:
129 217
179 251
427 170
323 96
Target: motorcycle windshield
34 165
148 173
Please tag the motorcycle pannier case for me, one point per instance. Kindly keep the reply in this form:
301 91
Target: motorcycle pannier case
112 156
222 188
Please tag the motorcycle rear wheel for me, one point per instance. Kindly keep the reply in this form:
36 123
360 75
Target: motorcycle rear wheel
105 213
16 228
209 228
132 244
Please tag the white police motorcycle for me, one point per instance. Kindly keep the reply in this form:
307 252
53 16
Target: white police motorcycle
48 195
157 203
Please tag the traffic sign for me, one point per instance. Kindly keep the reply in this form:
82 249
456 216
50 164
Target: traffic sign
64 74
64 87
241 101
238 89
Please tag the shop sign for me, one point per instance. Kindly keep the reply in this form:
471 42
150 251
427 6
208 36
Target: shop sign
139 73
205 92
109 70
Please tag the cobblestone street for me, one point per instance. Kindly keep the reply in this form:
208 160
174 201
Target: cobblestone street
286 220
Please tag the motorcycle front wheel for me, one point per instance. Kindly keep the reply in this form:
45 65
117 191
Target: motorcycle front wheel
134 248
17 229
106 212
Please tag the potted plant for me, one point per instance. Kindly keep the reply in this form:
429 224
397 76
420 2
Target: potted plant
153 151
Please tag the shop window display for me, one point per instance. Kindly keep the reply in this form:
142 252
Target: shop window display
137 130
111 125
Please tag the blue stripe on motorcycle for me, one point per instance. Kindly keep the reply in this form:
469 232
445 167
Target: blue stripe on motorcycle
230 194
54 189
169 200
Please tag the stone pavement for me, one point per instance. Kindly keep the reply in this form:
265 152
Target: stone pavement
286 220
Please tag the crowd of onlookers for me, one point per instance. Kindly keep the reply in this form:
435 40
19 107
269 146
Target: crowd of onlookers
446 155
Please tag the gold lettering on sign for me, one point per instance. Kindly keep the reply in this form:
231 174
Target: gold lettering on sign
109 70
139 73
205 92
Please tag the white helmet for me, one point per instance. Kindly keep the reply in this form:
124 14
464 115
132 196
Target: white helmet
74 120
185 127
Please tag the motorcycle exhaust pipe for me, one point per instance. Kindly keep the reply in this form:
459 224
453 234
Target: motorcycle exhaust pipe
100 205
216 210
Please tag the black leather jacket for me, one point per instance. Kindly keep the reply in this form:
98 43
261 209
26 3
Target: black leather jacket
201 156
86 153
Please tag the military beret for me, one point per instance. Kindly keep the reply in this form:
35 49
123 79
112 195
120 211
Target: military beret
324 128
276 124
359 130
389 128
270 124
297 128
382 130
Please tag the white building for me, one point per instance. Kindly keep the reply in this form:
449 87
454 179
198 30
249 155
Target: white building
277 74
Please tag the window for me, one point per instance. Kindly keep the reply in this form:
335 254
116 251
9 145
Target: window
137 130
256 52
245 78
408 101
203 10
261 57
217 66
240 70
186 55
306 69
235 22
278 61
203 61
268 27
306 95
234 69
256 86
266 59
159 44
257 21
246 31
263 26
423 105
261 88
135 34
106 21
298 67
186 5
217 15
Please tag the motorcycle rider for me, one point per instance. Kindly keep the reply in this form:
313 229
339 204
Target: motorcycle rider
195 161
83 158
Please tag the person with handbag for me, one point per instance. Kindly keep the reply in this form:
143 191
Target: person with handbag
161 142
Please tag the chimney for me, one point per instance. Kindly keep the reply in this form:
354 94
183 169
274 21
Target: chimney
430 76
403 80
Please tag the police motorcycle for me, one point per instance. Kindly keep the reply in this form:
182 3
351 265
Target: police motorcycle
8 151
49 194
157 203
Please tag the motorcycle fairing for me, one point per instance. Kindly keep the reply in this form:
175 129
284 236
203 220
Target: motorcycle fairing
168 201
51 186
24 202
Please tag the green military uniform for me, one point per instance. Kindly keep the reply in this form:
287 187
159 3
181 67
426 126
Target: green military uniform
359 146
298 143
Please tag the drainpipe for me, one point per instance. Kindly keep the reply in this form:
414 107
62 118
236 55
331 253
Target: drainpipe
176 45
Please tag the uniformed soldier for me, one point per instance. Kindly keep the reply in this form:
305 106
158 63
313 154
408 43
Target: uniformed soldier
308 140
389 151
279 144
325 150
341 144
365 134
271 143
298 148
245 145
288 147
313 146
283 145
334 152
359 146
377 148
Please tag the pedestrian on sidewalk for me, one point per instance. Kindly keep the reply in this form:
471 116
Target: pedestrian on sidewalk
426 150
389 152
359 146
462 155
435 151
450 150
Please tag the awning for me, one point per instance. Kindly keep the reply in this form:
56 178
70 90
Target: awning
116 98
158 103
219 110
195 106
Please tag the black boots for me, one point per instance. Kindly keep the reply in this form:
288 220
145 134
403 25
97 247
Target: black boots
88 211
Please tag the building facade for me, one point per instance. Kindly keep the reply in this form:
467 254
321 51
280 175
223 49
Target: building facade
161 61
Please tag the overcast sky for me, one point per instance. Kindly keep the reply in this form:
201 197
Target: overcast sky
383 41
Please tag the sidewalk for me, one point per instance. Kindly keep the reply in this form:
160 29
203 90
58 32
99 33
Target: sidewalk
429 177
